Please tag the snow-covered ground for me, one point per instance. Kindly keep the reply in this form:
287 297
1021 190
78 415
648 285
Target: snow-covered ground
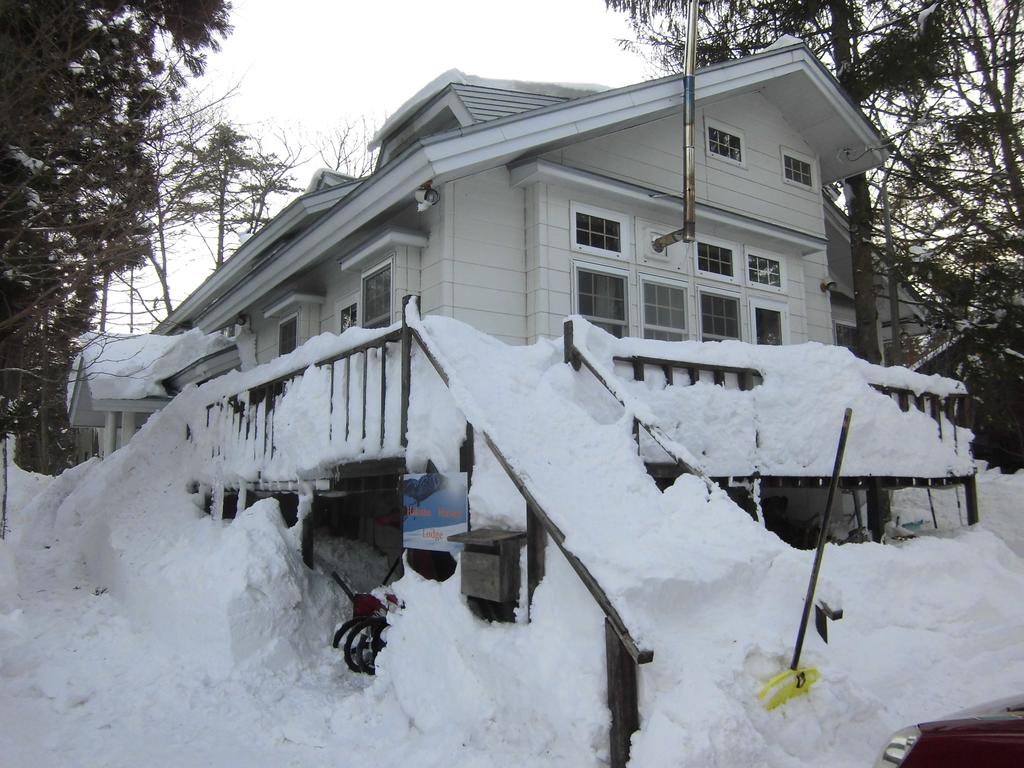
134 628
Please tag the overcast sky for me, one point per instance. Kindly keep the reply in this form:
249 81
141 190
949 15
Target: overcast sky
311 63
305 65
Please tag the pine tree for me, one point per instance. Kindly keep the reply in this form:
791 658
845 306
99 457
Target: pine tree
78 83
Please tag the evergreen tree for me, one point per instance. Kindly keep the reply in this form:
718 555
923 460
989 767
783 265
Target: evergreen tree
958 199
78 82
236 183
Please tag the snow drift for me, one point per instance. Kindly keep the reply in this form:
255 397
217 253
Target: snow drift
931 623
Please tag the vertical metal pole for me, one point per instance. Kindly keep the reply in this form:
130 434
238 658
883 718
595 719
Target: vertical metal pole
406 370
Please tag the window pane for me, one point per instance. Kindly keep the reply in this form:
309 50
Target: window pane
714 259
725 144
846 335
596 232
377 299
347 318
797 170
764 270
601 299
664 312
287 336
768 323
720 317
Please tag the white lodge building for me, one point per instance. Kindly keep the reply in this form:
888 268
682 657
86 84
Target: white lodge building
511 205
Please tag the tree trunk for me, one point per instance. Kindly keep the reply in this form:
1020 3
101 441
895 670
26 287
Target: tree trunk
861 255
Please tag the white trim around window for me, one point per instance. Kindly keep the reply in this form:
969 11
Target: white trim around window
733 132
601 238
735 248
601 270
656 327
811 169
767 335
735 299
763 269
363 312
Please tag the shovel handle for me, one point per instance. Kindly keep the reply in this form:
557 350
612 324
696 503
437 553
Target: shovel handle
822 537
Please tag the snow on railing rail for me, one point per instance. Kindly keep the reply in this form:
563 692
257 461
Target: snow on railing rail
298 424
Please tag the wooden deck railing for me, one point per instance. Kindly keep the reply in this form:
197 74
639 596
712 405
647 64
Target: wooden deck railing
244 424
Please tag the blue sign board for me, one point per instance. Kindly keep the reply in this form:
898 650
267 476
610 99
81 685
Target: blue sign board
435 506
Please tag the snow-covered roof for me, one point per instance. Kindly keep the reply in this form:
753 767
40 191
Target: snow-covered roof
481 89
132 367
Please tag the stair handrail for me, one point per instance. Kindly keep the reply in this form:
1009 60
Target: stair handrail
578 357
639 655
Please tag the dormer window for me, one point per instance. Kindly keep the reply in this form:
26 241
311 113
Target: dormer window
725 144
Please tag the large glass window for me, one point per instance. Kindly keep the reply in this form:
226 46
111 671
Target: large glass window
764 270
377 298
601 298
719 317
715 260
664 312
596 232
287 335
768 325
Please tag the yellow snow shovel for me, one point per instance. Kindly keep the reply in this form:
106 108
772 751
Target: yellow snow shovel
798 680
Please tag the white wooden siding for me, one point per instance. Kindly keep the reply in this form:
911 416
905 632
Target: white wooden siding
651 155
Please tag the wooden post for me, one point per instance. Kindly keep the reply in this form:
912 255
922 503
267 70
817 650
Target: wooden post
623 696
569 354
536 541
971 493
878 508
467 455
406 370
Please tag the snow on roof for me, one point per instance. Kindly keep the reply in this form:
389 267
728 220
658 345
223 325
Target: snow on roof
439 83
132 367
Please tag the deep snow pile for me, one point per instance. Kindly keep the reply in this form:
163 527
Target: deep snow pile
788 424
138 626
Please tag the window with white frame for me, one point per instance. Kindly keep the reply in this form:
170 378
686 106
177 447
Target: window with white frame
797 170
725 142
664 311
765 270
599 232
719 317
287 335
769 322
601 298
377 298
717 259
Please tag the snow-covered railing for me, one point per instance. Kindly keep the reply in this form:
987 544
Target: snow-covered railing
623 655
958 408
298 424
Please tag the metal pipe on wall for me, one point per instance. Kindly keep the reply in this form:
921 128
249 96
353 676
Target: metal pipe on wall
688 233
